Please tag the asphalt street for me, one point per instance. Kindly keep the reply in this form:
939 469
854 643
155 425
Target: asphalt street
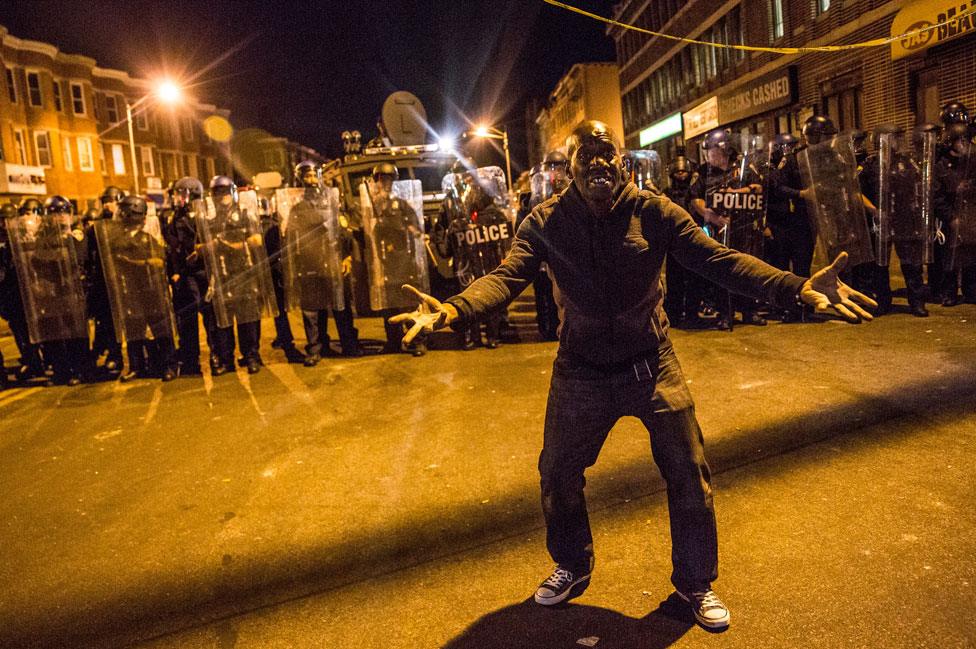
393 501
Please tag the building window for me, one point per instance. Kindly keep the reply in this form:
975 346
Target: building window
111 109
78 100
190 165
187 128
69 163
58 102
11 86
101 159
118 160
148 168
85 160
211 168
844 108
21 143
776 19
142 121
42 148
34 95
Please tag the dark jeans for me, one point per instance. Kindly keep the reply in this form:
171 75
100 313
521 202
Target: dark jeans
317 330
791 248
584 404
248 338
188 302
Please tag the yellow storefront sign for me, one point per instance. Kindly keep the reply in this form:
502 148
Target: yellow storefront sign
954 19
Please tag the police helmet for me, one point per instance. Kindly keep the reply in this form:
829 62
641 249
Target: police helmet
189 187
223 186
133 208
31 206
954 112
386 169
111 194
718 138
555 158
885 129
90 215
818 127
58 205
957 131
304 167
8 211
680 163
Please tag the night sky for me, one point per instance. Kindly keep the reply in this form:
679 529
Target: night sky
308 71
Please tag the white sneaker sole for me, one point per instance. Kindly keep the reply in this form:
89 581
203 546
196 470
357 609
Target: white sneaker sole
719 623
566 594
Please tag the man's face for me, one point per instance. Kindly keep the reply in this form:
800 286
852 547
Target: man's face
110 206
385 182
597 169
717 157
310 178
681 176
222 196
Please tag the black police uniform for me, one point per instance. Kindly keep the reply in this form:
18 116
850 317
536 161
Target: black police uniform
686 290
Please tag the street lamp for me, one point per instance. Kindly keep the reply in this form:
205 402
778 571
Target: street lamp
168 93
493 133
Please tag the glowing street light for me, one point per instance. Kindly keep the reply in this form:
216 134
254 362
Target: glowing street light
493 133
168 93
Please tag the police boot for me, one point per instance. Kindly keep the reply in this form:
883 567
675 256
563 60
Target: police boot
293 354
918 309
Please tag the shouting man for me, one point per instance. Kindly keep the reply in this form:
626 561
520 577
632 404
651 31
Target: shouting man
604 241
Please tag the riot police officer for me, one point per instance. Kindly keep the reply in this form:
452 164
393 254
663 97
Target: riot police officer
67 352
685 289
305 224
955 177
284 338
393 235
720 175
187 274
141 295
953 113
791 243
11 306
902 176
99 310
233 256
555 169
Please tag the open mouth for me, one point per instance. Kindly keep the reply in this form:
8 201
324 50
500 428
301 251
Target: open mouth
599 178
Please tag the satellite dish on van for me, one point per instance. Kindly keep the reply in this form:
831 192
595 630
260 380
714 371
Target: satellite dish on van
405 119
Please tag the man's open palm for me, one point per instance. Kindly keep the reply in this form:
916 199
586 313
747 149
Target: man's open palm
429 316
827 294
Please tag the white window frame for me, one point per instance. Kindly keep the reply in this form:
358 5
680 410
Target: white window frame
69 163
38 135
146 156
118 160
85 151
10 80
40 89
111 106
81 97
20 142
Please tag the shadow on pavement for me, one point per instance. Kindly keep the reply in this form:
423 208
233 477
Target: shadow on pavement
531 626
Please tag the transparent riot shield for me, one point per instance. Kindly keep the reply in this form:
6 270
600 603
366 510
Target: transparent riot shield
962 226
46 256
737 193
541 184
237 263
644 168
311 255
901 198
479 232
393 226
925 145
834 202
153 226
134 265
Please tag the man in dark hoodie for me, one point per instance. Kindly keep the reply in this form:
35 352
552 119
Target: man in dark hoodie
605 242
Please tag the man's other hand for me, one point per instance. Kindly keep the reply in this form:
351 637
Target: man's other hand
827 294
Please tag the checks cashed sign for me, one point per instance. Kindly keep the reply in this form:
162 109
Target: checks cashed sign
918 20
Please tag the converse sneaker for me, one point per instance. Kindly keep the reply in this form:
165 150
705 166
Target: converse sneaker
708 608
561 585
